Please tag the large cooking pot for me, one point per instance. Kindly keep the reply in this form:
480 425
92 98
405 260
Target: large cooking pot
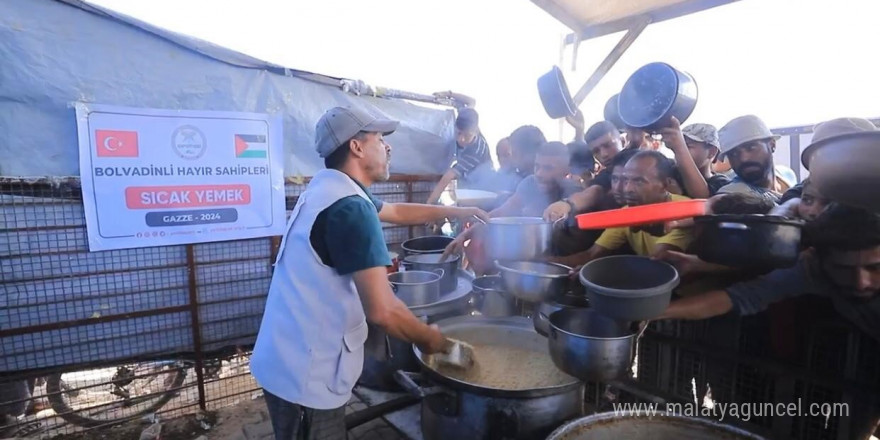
640 426
590 346
751 241
541 317
416 287
655 93
431 263
534 281
430 244
629 287
454 409
554 94
840 168
518 238
491 299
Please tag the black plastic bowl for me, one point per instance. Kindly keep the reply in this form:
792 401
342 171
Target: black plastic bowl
430 244
629 288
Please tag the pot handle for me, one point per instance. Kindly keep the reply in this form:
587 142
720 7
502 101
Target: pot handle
440 272
394 288
407 381
736 226
542 324
404 380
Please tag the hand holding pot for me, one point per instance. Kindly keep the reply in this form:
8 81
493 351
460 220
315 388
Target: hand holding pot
672 136
556 211
685 264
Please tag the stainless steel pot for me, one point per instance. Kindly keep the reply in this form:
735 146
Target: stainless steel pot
430 263
452 409
491 299
534 281
590 346
518 238
541 317
632 426
416 287
629 287
431 244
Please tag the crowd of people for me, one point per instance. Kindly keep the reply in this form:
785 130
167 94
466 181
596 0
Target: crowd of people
733 168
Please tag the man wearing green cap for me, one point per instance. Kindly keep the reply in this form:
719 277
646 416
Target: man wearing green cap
330 278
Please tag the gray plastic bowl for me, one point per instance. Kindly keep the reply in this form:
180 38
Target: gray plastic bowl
629 287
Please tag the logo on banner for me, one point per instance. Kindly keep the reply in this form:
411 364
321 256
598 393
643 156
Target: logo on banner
189 142
251 146
116 143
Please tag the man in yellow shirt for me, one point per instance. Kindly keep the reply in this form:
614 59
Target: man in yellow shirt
646 180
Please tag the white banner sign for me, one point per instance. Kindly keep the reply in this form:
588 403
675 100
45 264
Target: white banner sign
167 177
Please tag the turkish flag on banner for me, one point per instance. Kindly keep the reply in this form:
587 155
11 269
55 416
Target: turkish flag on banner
116 143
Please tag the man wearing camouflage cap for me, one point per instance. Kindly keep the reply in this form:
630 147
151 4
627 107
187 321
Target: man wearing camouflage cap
702 143
330 278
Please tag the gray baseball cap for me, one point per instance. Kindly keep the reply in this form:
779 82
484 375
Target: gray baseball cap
340 124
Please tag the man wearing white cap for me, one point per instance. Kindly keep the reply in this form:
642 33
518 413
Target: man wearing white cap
748 145
330 278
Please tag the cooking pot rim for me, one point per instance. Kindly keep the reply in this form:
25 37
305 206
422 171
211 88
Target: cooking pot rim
500 265
495 278
748 218
580 336
414 257
435 277
595 419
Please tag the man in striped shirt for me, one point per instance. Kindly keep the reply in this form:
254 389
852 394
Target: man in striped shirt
471 151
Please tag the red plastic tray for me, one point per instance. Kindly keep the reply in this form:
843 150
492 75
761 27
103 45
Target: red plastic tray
642 215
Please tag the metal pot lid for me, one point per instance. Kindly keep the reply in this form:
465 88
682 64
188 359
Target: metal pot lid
430 258
748 218
476 323
448 301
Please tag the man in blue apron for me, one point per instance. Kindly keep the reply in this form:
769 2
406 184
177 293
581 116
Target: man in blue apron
330 277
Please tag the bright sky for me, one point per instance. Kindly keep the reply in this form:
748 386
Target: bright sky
791 62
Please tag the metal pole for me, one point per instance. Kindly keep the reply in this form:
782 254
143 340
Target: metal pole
611 59
196 324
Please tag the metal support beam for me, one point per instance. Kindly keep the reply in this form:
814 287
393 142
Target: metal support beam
611 59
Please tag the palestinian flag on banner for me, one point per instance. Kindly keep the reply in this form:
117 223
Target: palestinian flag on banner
250 146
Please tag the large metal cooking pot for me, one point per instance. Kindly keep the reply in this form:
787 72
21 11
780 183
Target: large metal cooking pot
416 287
590 346
655 93
430 263
748 240
518 238
840 168
430 244
629 287
491 299
554 94
534 281
634 426
541 317
453 409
